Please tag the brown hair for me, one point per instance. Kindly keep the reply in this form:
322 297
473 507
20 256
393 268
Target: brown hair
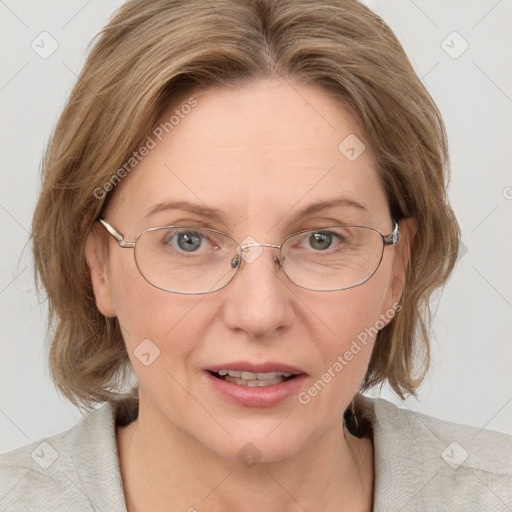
153 53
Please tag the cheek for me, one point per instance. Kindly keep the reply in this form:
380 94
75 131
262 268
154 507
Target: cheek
348 313
150 317
351 326
348 321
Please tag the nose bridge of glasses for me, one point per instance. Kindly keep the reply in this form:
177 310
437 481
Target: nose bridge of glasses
256 244
251 256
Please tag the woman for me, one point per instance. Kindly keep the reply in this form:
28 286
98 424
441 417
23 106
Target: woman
244 205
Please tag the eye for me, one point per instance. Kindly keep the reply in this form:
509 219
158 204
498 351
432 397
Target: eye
188 241
323 240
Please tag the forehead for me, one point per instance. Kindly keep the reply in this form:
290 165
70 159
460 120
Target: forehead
257 153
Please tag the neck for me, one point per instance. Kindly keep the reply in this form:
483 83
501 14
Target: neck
332 473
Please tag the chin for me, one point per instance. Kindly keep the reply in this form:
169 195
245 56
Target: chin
250 451
258 441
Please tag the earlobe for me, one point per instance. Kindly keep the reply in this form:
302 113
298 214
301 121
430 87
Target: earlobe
96 257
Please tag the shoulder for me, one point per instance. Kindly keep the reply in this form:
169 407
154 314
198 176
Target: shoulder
74 470
423 461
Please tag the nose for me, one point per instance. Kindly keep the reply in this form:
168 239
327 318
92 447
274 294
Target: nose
257 300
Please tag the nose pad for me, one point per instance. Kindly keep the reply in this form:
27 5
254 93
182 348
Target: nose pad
236 261
276 260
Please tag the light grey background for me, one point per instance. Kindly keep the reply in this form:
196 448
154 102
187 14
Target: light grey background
470 380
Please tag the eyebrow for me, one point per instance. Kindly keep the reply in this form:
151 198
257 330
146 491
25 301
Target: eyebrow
220 216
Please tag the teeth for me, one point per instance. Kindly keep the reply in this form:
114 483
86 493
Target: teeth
252 379
271 375
253 376
254 383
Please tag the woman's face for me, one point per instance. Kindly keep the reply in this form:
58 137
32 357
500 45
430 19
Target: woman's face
258 155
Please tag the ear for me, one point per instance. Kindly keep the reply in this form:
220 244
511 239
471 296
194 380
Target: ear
408 229
96 255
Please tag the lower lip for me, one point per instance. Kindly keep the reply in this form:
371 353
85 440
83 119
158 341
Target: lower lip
266 396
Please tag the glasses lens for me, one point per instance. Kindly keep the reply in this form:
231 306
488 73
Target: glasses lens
332 258
185 260
199 260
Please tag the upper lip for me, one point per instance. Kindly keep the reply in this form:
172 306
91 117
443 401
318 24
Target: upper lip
246 366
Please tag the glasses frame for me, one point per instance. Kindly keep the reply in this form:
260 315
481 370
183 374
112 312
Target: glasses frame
387 240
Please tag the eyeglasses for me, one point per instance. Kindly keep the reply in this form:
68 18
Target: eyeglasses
191 260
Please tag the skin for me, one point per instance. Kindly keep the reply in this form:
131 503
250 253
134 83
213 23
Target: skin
259 153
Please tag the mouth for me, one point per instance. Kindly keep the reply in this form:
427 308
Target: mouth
255 385
252 379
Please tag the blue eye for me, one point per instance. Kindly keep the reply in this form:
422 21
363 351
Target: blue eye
188 241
